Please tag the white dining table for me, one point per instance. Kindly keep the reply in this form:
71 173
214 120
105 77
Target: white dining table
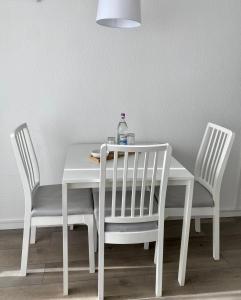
81 172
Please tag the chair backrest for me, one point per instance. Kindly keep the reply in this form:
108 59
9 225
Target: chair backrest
26 159
212 157
143 166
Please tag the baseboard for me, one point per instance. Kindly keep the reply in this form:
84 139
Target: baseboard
11 224
231 213
18 223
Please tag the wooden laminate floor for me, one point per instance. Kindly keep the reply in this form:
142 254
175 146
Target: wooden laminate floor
133 275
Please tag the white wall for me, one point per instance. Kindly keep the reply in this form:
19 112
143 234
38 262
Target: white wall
69 79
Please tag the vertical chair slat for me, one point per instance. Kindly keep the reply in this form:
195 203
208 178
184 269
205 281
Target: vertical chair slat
24 158
210 156
143 186
198 163
218 158
18 142
133 193
206 154
220 135
153 183
113 208
29 159
164 181
123 202
33 157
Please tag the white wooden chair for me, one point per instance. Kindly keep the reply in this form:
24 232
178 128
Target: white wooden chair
209 169
131 215
43 204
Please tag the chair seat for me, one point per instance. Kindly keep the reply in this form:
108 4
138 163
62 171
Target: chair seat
175 196
124 227
47 201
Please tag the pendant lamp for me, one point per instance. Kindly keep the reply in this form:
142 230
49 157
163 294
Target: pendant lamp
119 13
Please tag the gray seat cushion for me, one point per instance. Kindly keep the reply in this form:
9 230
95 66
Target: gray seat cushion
123 227
176 196
47 201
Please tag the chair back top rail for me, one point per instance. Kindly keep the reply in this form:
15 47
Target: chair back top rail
212 157
26 159
133 207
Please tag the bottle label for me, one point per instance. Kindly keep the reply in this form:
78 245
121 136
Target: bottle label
123 139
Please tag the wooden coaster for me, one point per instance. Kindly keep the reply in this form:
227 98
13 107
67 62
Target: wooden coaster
109 157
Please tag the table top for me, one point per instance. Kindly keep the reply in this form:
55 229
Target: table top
79 168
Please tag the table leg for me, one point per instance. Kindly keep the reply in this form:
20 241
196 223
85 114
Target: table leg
65 237
185 232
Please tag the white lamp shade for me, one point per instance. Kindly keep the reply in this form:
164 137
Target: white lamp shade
119 13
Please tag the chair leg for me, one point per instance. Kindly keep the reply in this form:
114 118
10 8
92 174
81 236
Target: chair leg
95 238
33 235
146 246
216 235
198 224
155 254
185 233
65 240
101 269
91 244
25 246
159 261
